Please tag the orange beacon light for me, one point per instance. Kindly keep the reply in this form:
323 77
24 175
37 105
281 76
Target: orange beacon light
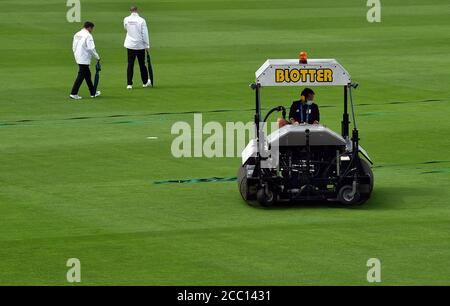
303 57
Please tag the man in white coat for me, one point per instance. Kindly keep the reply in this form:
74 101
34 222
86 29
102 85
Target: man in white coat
84 49
136 42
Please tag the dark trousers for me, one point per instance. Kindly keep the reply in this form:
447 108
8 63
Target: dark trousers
84 73
140 54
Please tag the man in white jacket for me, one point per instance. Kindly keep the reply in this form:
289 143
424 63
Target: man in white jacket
84 49
136 42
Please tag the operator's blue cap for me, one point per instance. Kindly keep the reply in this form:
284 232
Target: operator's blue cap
307 91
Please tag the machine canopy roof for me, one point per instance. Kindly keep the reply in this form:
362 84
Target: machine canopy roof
290 72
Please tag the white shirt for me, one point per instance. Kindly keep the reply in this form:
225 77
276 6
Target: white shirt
137 32
84 48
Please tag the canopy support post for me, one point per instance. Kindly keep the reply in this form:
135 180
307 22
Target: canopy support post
256 87
259 138
345 120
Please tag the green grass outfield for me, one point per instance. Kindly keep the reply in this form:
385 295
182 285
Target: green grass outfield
78 181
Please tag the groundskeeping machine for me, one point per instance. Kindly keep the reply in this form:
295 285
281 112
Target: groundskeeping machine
305 162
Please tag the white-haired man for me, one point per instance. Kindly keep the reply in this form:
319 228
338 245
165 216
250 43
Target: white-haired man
136 42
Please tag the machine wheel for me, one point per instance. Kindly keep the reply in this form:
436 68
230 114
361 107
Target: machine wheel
242 182
367 171
347 197
265 197
247 192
